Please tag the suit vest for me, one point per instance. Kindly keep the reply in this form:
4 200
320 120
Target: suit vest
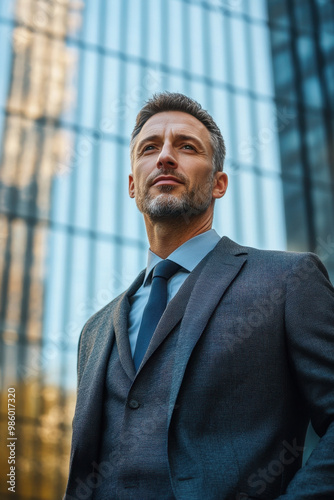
133 457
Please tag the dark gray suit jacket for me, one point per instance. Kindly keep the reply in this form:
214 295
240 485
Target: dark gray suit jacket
254 363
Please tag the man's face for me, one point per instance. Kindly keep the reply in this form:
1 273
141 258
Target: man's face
172 173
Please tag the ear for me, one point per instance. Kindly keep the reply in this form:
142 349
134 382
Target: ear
131 186
220 185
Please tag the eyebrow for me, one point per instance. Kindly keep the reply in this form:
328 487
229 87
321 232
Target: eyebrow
181 137
147 139
184 137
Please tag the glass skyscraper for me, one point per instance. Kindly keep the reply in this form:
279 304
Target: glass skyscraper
74 76
303 61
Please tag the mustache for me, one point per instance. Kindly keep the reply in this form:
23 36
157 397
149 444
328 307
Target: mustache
151 178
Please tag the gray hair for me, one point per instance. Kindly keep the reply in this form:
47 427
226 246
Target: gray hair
169 101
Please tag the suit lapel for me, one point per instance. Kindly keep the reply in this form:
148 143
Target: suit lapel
121 327
222 267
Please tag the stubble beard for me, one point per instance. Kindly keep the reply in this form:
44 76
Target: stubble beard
167 205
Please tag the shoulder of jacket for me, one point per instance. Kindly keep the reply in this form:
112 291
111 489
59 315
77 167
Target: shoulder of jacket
269 254
102 313
281 258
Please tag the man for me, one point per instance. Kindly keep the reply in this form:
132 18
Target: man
209 398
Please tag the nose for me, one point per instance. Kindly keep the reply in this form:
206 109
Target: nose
166 158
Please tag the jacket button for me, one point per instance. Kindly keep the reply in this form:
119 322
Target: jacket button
133 403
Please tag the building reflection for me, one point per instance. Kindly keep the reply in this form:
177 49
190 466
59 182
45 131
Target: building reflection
33 146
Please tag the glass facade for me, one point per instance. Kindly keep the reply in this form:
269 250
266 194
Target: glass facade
74 75
302 38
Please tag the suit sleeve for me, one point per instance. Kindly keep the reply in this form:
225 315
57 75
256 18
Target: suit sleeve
309 317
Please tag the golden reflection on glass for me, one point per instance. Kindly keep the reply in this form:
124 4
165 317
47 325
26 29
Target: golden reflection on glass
33 151
16 275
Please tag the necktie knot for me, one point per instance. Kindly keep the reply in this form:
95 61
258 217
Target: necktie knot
165 269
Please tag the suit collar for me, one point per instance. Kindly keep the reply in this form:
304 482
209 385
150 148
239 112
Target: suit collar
226 246
189 254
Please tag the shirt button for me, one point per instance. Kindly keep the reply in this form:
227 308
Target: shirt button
133 403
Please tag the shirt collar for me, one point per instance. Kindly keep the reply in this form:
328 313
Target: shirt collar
187 255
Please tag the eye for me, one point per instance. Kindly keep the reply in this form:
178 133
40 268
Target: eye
149 147
188 146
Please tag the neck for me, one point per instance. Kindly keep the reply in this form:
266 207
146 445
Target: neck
165 236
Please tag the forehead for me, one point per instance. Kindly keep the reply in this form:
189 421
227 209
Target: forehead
174 122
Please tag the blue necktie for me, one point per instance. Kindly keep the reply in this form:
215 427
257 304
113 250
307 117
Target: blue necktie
155 307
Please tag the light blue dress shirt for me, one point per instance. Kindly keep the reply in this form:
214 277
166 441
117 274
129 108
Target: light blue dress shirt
188 256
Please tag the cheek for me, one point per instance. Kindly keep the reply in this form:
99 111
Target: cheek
140 180
142 172
202 176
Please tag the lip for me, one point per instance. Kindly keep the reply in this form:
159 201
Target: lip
166 179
